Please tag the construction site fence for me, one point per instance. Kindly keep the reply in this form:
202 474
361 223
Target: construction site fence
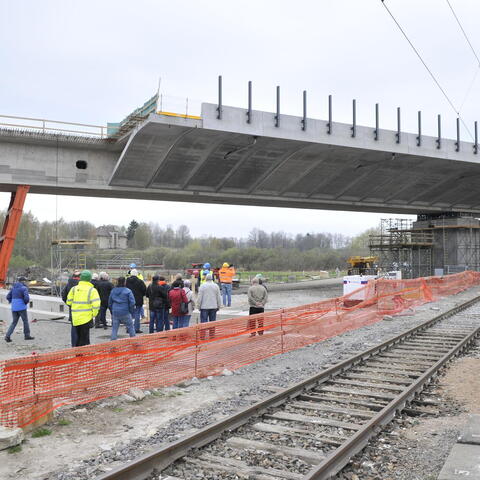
33 386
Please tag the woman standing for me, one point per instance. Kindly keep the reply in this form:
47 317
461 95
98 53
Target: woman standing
122 305
177 296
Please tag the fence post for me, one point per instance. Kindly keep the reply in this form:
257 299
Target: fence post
196 350
281 330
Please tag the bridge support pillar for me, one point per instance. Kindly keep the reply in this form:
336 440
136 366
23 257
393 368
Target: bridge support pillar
456 240
10 229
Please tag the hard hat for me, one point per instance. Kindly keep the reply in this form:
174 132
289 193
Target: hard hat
86 276
133 265
207 265
225 265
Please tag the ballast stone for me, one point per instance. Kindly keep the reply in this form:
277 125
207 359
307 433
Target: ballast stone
10 437
136 393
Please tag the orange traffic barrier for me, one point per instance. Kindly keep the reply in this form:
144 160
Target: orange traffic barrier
34 385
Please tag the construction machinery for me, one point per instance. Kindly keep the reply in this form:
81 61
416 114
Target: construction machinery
363 265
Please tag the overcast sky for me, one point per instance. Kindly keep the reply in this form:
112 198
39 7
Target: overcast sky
95 61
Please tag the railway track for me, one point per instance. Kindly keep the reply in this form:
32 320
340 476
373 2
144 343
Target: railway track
311 430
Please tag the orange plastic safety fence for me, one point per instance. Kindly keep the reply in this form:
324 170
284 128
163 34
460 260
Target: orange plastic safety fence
33 386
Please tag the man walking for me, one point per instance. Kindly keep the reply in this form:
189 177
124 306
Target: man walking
104 286
84 302
257 298
208 302
139 289
226 274
18 298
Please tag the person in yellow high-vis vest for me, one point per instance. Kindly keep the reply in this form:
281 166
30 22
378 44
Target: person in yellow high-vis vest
84 303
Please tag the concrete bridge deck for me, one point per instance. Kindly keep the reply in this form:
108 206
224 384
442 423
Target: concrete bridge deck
229 161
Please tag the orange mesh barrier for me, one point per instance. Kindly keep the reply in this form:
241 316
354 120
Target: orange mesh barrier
33 386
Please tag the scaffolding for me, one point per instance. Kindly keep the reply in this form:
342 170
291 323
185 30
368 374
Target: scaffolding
114 263
434 244
400 247
457 245
67 255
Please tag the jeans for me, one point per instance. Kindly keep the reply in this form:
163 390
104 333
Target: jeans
101 319
117 320
159 320
164 320
227 294
208 315
137 315
181 321
15 317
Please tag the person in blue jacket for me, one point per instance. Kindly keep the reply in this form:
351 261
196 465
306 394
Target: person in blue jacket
121 303
18 298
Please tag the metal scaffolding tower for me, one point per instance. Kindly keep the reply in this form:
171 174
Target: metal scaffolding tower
434 244
400 247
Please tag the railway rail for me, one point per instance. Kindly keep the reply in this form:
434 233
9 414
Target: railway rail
311 430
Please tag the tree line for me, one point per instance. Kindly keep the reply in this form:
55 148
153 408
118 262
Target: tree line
176 248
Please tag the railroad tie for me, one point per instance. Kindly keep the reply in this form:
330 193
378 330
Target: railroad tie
240 468
313 458
328 422
335 440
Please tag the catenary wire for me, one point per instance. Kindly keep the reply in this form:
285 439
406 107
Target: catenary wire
464 33
444 93
472 82
469 89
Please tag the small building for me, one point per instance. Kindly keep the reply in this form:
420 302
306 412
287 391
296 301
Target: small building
110 237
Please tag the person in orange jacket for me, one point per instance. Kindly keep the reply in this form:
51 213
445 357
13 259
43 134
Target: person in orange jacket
226 274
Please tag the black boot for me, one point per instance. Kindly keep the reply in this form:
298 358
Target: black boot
29 338
8 339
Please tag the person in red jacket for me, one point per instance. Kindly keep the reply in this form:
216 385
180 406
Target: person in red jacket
177 296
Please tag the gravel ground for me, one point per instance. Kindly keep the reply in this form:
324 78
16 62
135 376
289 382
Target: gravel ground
107 433
416 448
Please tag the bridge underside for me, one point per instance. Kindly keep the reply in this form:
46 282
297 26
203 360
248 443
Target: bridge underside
227 161
198 164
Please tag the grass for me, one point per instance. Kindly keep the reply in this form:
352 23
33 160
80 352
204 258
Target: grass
64 421
175 393
117 409
41 432
15 449
280 276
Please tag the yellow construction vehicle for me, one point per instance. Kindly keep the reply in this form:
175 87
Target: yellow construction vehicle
362 265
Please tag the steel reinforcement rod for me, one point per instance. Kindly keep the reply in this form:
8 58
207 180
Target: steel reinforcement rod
161 458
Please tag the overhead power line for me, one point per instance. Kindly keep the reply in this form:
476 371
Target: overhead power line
437 83
464 33
472 82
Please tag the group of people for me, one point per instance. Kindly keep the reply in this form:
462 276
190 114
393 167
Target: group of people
90 296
